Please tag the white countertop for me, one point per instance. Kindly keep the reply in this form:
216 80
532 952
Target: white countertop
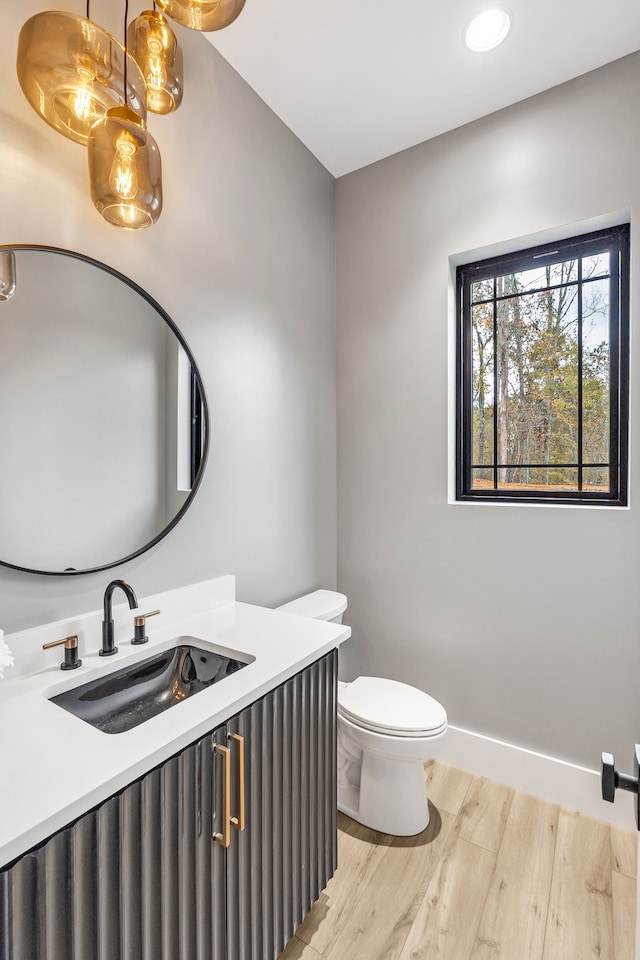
56 766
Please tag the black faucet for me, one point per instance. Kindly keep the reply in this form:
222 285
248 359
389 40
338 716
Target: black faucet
108 648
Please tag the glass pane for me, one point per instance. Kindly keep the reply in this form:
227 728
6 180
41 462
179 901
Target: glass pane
595 372
537 372
595 479
597 266
538 478
482 479
545 275
482 290
482 381
510 329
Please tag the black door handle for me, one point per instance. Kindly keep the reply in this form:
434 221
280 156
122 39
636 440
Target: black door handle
613 780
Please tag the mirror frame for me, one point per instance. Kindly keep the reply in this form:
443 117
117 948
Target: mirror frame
196 375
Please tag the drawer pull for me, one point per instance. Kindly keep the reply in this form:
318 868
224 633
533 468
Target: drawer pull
239 822
224 838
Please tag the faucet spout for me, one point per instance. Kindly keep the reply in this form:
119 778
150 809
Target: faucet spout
108 646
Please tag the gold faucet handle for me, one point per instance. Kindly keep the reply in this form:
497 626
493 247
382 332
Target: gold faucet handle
71 660
70 643
139 635
140 619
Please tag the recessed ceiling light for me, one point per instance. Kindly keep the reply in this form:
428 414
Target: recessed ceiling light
487 30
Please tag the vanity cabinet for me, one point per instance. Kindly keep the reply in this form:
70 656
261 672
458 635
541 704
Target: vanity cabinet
141 877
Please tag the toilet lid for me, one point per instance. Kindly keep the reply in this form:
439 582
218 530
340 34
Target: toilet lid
388 706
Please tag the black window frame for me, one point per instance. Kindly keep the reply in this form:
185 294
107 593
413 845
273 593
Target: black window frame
614 239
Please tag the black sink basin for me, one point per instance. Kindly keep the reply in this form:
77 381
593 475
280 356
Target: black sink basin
136 693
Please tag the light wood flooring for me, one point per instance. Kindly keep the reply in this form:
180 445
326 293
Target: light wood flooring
497 875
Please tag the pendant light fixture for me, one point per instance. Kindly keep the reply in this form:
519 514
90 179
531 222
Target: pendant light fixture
153 45
202 15
72 72
7 274
124 165
96 91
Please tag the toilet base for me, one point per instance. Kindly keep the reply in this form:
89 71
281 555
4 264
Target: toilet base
382 792
392 797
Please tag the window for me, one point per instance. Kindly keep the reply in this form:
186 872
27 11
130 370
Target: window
542 373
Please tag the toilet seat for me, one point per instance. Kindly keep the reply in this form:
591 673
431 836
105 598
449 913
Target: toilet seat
391 707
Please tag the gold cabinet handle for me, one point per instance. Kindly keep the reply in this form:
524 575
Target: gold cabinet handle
224 838
239 821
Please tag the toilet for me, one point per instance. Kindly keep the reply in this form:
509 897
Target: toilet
386 731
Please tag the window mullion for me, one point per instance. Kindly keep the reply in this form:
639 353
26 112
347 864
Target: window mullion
580 365
466 372
496 458
616 429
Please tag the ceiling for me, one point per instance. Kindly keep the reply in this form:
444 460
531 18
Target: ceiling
359 80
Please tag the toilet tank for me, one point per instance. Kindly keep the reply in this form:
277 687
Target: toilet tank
319 605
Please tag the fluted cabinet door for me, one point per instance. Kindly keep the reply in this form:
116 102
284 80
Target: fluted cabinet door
141 878
278 865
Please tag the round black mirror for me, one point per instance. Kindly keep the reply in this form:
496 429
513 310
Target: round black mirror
103 417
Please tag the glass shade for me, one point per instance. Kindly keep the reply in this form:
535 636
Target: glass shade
72 71
7 274
202 15
124 170
153 45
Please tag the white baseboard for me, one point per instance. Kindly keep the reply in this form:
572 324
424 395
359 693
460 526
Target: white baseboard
570 786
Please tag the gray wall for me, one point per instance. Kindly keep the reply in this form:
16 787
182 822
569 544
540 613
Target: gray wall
524 621
243 260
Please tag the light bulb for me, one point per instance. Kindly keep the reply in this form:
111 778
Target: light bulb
81 99
195 12
155 73
123 178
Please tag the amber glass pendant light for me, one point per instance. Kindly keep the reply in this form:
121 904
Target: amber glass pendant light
124 167
202 15
154 46
72 72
